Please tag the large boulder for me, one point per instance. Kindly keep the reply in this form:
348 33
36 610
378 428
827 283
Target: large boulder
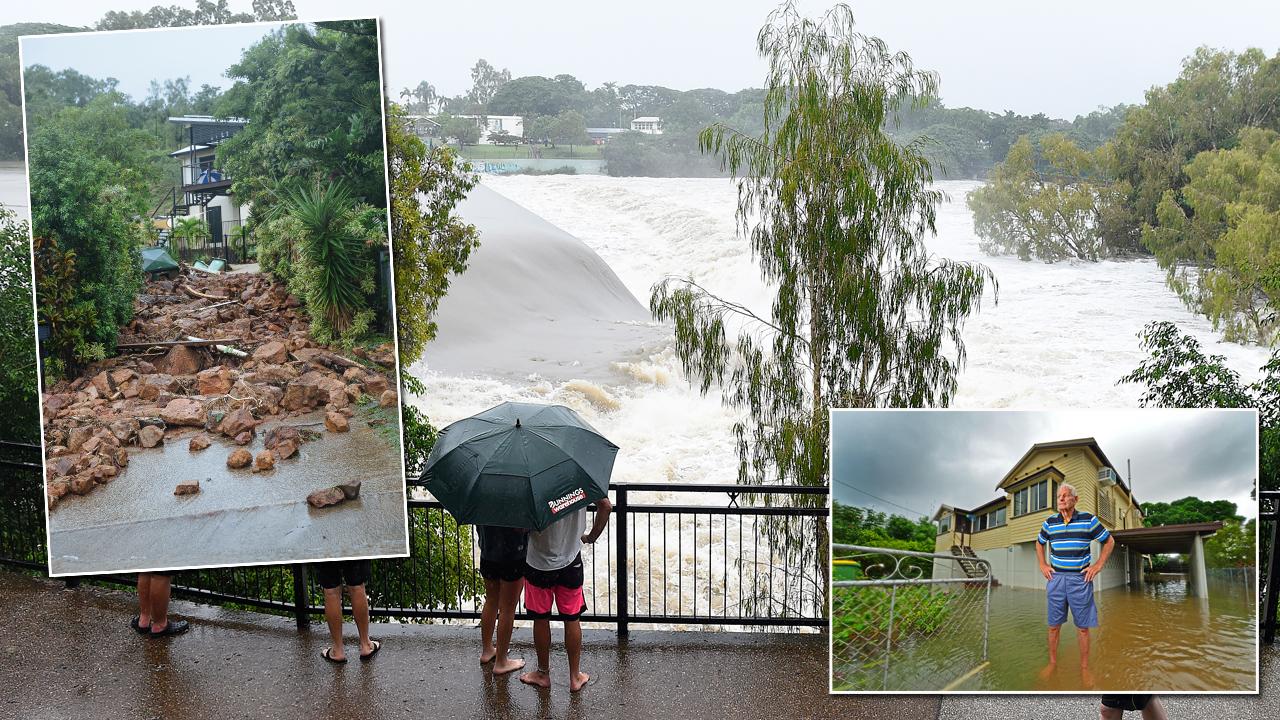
271 353
184 411
150 436
336 422
214 381
238 422
181 360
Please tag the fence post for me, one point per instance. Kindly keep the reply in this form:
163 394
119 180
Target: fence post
620 530
1273 577
301 611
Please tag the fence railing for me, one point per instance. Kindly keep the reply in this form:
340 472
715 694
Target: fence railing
1269 535
233 245
906 620
672 555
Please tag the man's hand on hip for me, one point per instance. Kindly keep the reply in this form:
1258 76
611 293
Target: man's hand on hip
1047 572
1090 572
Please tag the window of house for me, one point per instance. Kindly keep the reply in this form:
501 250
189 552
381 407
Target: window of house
944 524
1034 498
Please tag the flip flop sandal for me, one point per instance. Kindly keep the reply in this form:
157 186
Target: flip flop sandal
325 654
377 645
137 627
172 627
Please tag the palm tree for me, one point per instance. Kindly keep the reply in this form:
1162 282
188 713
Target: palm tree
188 228
332 255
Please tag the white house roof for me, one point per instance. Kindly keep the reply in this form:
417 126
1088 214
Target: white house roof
189 149
647 118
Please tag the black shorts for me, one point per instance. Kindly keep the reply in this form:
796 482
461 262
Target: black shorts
1126 702
504 570
569 576
351 573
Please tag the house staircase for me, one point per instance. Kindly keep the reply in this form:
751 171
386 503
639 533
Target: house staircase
971 568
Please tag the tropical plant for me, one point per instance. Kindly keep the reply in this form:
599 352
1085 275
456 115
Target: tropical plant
836 212
186 230
334 265
18 389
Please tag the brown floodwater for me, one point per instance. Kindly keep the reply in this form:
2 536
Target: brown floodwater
1156 638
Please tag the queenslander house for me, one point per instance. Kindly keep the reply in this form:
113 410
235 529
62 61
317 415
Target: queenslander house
1003 531
204 192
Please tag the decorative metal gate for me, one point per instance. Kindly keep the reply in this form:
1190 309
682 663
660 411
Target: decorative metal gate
906 620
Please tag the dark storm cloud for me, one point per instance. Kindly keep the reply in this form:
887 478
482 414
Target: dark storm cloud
908 462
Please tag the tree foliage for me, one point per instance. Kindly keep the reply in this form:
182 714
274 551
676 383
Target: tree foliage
1221 241
205 12
431 243
334 272
835 212
1050 207
1177 374
18 391
1234 546
314 103
1189 509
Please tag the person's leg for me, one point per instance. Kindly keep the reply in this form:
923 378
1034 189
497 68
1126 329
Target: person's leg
508 598
159 597
1055 632
1110 713
144 600
333 616
488 618
360 613
573 648
542 643
1082 638
1154 710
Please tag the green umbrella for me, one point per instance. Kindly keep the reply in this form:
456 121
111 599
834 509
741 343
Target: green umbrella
156 259
520 465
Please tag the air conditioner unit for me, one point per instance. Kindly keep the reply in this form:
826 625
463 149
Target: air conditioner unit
1107 477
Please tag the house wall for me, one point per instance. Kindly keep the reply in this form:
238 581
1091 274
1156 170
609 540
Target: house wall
1017 566
988 539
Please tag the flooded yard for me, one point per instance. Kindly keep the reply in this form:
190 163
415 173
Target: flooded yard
1156 638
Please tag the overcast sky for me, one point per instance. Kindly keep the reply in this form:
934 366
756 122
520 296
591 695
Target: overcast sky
910 462
1062 59
137 57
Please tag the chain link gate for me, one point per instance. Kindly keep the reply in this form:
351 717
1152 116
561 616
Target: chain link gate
906 620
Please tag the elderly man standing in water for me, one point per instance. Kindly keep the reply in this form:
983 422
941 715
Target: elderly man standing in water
1070 573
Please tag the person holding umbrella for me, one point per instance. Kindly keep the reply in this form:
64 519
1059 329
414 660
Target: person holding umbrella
536 467
502 553
553 568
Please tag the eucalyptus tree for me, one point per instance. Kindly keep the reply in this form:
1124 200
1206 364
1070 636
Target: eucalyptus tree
836 213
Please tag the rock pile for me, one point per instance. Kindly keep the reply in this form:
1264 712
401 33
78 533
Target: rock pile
266 368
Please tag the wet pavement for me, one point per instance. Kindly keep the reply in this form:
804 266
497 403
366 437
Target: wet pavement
238 516
71 653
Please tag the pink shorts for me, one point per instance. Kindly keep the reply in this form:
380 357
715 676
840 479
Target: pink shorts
570 602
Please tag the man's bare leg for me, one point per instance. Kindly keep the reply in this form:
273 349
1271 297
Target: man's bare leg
508 598
1154 710
159 597
333 616
360 613
573 647
1082 637
1054 634
1110 713
144 600
488 618
542 643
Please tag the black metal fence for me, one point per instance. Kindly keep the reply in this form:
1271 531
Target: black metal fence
672 555
234 244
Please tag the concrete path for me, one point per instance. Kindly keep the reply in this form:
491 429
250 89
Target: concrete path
71 654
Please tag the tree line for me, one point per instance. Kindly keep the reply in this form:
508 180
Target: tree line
1188 178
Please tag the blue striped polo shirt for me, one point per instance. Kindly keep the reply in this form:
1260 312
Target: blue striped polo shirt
1069 542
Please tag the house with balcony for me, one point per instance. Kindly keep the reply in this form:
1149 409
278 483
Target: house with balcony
204 191
1004 530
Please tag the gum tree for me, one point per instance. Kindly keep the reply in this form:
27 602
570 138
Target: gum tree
836 213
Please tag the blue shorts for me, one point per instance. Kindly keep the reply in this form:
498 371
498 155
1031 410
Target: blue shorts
1068 589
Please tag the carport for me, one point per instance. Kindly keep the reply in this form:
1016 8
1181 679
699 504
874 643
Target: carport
1186 539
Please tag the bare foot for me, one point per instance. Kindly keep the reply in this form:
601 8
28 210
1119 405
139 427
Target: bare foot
538 678
507 666
1047 672
487 655
579 682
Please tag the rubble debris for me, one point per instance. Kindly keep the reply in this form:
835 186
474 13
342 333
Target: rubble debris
239 459
187 487
326 497
180 373
350 489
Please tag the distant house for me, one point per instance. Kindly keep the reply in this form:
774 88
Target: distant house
1004 530
647 125
204 189
491 125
